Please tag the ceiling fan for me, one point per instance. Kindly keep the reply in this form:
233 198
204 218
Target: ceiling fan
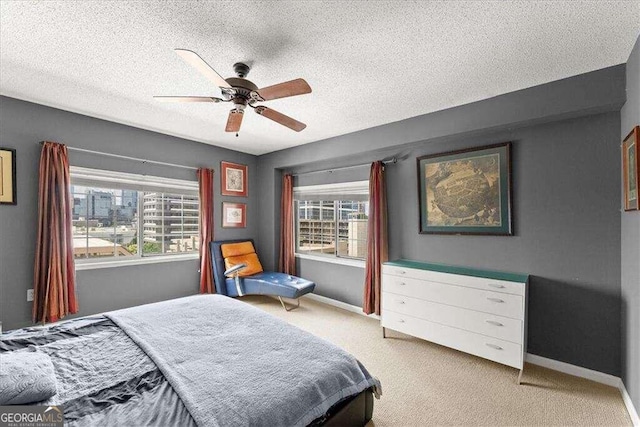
242 93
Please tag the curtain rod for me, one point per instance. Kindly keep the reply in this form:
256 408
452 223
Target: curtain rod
136 159
384 162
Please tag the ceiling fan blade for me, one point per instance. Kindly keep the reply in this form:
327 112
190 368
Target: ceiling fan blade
280 118
283 90
234 121
205 69
187 99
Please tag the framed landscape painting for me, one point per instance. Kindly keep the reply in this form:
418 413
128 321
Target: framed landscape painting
8 176
466 191
234 215
234 180
631 169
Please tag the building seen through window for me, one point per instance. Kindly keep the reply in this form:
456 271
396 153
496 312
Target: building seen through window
332 227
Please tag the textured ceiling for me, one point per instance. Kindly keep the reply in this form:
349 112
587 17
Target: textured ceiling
369 63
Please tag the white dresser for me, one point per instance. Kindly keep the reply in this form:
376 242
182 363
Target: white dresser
475 311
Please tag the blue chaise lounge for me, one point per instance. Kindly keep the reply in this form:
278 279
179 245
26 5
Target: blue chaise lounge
237 271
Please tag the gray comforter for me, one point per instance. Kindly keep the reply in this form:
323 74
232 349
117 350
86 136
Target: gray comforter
233 365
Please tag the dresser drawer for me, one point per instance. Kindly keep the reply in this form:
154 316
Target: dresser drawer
481 283
491 325
497 303
500 351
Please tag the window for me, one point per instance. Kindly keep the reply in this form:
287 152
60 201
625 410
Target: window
331 220
120 216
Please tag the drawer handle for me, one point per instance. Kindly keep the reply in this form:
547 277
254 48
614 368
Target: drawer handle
401 321
402 272
493 322
399 301
495 285
495 299
493 346
402 284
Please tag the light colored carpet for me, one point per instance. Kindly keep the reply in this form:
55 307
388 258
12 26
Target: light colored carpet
427 384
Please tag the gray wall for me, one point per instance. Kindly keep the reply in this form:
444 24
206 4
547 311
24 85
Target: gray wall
23 125
566 205
590 93
630 117
339 282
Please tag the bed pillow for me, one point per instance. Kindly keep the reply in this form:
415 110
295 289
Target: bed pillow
26 377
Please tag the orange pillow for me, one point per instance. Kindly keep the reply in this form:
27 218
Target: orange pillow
235 249
252 261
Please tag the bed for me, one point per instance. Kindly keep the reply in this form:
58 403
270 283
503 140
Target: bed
204 360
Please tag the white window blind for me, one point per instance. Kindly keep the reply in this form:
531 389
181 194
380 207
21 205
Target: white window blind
101 178
356 191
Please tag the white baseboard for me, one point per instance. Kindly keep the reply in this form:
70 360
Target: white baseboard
635 419
576 371
340 304
599 377
567 368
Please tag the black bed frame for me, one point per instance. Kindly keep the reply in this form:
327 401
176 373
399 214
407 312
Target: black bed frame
354 411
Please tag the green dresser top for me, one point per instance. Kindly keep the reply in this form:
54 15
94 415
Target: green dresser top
465 271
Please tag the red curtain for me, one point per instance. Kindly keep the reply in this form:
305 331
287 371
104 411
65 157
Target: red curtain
54 271
287 262
205 182
377 244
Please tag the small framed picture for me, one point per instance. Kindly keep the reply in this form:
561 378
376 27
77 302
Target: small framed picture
631 169
234 179
234 215
8 185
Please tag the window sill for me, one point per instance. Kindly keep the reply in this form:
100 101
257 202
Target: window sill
137 261
334 260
